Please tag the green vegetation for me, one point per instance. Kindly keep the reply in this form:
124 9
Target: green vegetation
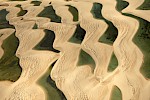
22 12
116 94
121 5
36 3
111 33
142 40
53 93
113 63
35 26
96 11
47 42
3 22
74 12
9 63
86 59
49 12
78 35
17 0
145 5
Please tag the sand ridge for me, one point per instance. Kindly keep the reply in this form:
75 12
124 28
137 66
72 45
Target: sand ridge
132 9
76 82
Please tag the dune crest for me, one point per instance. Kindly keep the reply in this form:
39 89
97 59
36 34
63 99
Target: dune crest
81 59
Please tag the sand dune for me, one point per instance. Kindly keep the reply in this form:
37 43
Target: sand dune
77 81
132 9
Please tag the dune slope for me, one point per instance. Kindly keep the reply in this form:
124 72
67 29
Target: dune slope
74 50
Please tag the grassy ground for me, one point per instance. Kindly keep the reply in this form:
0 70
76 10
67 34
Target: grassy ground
47 42
17 0
78 35
3 22
121 5
49 12
86 59
53 93
9 63
111 33
142 40
109 36
145 5
22 12
35 26
74 12
36 3
96 11
113 63
116 94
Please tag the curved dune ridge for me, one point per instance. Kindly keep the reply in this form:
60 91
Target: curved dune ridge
74 50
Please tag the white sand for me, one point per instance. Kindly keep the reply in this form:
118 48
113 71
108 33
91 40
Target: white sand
77 82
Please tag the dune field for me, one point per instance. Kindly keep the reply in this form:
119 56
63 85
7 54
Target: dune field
74 49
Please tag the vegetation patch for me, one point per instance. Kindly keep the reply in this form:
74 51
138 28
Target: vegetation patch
86 59
17 0
145 5
35 26
111 33
47 42
96 11
9 63
116 94
53 93
113 63
49 12
22 12
3 22
78 35
36 3
74 12
142 40
121 5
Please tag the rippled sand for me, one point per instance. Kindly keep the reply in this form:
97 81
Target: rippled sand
53 31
